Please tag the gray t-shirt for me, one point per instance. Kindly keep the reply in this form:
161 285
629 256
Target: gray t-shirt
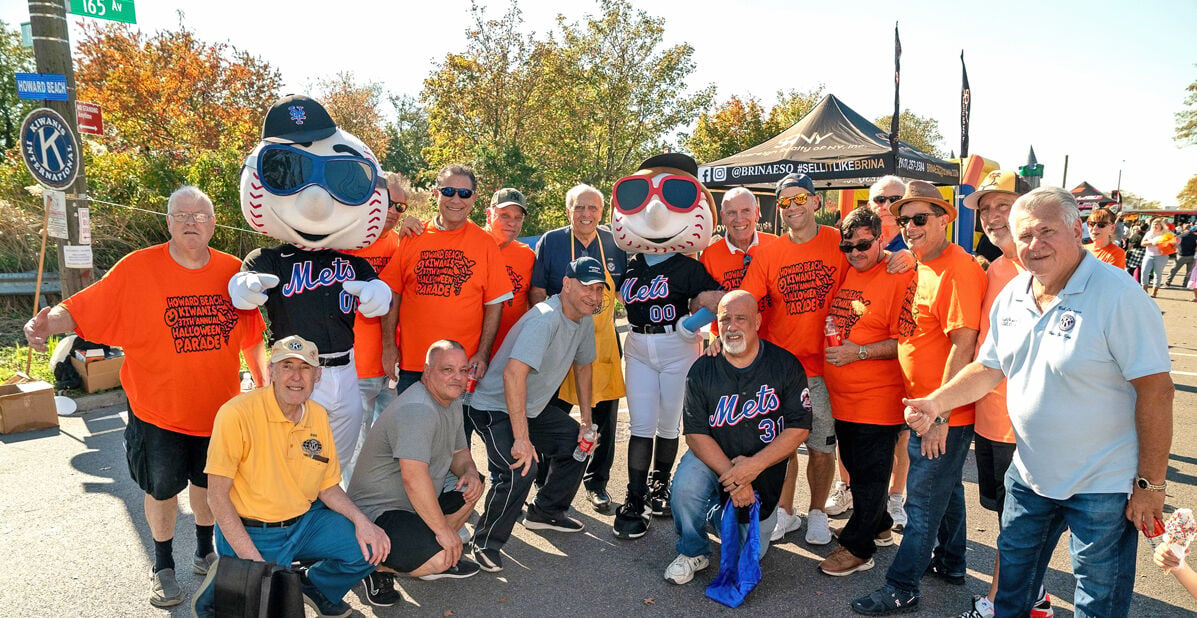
549 343
413 426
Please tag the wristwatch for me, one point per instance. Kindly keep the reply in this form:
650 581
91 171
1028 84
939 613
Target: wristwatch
862 353
1143 483
940 420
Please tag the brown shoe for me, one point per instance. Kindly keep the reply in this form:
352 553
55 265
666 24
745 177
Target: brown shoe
841 562
884 538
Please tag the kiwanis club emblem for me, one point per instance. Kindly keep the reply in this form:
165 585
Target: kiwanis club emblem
312 448
296 346
1067 322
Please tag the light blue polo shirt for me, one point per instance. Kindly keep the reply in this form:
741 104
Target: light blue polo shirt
1069 370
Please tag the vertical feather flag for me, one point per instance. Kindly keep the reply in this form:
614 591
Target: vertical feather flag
893 123
966 103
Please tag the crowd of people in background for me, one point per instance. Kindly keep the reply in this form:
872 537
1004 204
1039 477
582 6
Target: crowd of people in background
875 339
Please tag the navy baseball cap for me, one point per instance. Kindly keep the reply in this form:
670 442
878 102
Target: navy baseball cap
298 118
587 271
796 179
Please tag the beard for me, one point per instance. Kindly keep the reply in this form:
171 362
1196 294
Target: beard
734 347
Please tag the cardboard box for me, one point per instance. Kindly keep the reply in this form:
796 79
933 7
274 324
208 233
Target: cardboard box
100 374
27 406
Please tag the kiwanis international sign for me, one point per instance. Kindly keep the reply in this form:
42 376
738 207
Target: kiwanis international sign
49 148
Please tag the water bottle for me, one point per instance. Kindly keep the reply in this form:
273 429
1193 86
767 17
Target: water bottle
247 382
832 331
586 443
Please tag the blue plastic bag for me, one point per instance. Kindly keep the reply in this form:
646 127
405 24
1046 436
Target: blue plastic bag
739 567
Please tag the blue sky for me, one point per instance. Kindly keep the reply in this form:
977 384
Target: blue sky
1098 81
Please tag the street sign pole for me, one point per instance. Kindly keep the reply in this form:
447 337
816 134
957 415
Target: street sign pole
52 51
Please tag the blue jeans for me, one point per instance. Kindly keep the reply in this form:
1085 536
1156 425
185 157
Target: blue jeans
1153 265
694 498
320 534
935 512
1103 548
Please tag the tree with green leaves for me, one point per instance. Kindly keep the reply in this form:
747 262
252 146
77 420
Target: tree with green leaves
1188 195
354 107
740 124
408 136
14 58
922 132
1186 119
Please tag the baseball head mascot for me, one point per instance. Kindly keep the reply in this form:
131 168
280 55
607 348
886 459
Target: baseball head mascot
660 213
318 189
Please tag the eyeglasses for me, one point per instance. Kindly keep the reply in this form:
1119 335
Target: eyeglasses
799 199
861 246
398 206
919 219
1100 224
881 199
678 193
464 194
286 170
198 217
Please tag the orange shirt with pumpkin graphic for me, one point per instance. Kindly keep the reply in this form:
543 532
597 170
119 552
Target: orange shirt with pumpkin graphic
519 259
367 332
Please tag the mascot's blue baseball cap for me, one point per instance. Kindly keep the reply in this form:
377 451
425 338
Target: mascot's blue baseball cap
796 179
297 118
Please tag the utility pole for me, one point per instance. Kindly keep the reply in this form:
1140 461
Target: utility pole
52 51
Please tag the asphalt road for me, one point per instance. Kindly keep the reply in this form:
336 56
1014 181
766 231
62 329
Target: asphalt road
75 542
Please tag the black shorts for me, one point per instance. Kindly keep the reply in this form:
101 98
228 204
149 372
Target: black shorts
412 542
993 459
161 461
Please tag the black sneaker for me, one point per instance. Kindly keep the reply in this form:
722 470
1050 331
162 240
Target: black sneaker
887 600
940 572
658 499
463 569
599 499
535 519
323 606
380 589
488 560
632 518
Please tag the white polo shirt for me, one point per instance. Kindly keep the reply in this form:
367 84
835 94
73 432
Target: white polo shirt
1069 369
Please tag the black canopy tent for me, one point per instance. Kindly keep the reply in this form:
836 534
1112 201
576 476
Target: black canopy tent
837 147
1088 197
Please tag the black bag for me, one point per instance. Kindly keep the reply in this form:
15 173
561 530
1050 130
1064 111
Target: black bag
249 589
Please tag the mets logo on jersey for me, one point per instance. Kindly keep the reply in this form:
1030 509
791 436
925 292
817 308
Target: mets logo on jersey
312 448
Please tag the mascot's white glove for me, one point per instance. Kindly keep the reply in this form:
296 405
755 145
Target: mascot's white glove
686 334
246 288
374 297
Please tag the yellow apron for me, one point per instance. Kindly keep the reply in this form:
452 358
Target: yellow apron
607 370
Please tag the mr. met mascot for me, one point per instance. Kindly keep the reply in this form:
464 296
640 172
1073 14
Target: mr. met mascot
660 213
318 189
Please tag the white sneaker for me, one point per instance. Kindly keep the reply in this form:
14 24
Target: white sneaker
818 531
786 523
840 500
683 568
897 511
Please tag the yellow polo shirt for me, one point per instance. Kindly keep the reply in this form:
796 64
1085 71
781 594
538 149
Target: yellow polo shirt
278 467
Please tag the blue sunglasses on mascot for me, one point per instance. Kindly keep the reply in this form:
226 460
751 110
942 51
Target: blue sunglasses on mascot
286 170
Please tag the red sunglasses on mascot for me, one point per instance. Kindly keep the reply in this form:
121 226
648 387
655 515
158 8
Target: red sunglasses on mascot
678 193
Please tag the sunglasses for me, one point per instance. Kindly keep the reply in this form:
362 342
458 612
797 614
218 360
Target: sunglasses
881 199
1099 224
861 246
286 170
919 219
678 193
398 206
198 217
464 194
799 199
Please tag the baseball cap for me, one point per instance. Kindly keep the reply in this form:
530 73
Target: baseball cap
295 347
998 181
796 179
506 196
675 160
923 191
587 271
298 118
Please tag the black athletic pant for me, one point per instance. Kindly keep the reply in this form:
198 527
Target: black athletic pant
868 455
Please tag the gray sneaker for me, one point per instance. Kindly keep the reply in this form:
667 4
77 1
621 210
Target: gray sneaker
201 564
164 589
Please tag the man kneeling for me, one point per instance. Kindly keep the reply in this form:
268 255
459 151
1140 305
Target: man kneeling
400 476
274 485
746 410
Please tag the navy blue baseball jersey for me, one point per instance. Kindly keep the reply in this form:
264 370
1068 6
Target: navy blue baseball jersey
659 294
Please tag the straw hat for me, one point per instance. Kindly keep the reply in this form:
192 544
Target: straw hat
922 191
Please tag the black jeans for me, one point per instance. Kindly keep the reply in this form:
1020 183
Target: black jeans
868 455
554 435
603 414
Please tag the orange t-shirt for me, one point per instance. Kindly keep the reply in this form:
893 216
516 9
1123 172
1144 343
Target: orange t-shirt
993 417
519 259
867 309
948 296
1110 254
799 281
367 332
727 267
443 279
181 334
